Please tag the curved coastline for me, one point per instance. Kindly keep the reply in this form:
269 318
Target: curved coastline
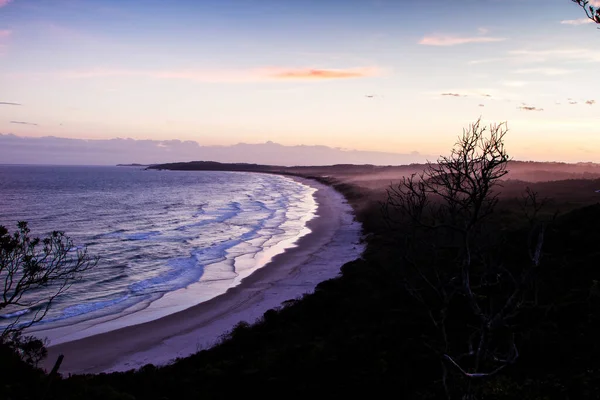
333 240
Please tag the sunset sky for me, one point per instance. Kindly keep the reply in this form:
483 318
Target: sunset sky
299 72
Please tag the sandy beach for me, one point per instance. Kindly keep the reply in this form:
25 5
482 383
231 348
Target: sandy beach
318 256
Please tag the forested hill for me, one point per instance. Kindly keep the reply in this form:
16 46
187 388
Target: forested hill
529 171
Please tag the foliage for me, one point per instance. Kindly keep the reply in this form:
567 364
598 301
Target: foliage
34 272
592 11
454 261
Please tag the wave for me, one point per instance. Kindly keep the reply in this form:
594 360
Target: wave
149 248
142 235
15 314
223 214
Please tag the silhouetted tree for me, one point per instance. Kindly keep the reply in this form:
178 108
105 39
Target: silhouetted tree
455 258
592 11
33 272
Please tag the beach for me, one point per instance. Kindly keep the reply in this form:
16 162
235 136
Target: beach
333 240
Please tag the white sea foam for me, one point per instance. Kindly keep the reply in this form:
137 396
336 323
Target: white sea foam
158 233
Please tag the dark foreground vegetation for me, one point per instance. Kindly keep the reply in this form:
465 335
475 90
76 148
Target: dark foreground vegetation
367 331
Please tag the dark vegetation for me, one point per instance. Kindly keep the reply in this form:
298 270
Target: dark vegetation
376 176
33 272
376 328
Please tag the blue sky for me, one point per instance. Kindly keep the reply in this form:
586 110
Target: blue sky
299 72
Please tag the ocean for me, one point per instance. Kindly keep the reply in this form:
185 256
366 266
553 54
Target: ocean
155 232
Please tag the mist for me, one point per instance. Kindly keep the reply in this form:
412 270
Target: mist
63 151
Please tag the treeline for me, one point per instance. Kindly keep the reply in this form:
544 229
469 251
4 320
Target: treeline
529 171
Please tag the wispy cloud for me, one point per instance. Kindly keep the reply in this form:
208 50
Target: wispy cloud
449 40
4 33
480 94
488 93
319 74
544 55
23 123
232 76
529 108
544 71
4 3
7 103
526 56
590 102
580 21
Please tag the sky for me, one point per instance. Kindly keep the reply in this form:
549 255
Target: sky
371 75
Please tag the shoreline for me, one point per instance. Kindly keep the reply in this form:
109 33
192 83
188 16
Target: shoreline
332 241
183 298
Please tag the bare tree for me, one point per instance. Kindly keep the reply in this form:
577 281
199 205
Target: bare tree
592 10
453 255
34 272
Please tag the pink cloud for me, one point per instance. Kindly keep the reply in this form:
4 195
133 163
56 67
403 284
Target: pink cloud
4 33
446 40
230 76
4 3
320 74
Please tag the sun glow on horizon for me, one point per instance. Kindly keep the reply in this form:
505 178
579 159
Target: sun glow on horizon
373 77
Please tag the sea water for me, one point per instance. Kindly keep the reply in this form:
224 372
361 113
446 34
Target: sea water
154 232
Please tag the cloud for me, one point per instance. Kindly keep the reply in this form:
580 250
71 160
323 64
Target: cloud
525 56
23 123
544 55
529 108
4 3
231 76
323 73
488 93
482 105
580 21
6 103
448 40
544 71
4 33
454 94
55 150
590 102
